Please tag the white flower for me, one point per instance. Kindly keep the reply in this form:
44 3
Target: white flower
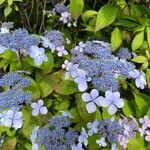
2 49
101 142
68 41
72 70
38 54
61 51
139 76
33 137
47 44
112 100
81 79
12 118
35 146
4 30
38 107
92 99
142 132
75 23
147 137
114 147
83 137
92 127
64 65
67 114
80 47
65 17
77 147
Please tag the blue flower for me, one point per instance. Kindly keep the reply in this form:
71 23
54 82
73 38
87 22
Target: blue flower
92 100
101 142
38 54
124 53
112 100
98 62
139 76
83 138
12 118
57 134
92 127
38 107
15 96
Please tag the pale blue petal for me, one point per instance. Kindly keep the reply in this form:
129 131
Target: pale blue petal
104 102
82 86
112 109
43 110
98 101
91 107
40 103
35 112
119 103
17 123
86 97
116 95
7 122
94 93
18 115
109 95
38 61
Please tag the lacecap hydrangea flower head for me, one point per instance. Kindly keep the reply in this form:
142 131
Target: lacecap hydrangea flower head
101 65
15 96
57 134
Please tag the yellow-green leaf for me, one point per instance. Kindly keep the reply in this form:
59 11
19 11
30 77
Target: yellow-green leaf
139 59
105 16
88 14
116 39
7 10
76 8
148 35
9 2
138 41
2 1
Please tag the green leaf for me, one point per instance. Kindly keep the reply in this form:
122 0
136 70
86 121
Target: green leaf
34 89
2 1
139 59
46 66
105 16
136 143
116 38
76 8
47 85
16 65
75 114
9 56
129 108
29 122
126 23
81 105
148 77
148 35
9 144
7 10
66 87
9 2
138 41
142 104
88 14
92 145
